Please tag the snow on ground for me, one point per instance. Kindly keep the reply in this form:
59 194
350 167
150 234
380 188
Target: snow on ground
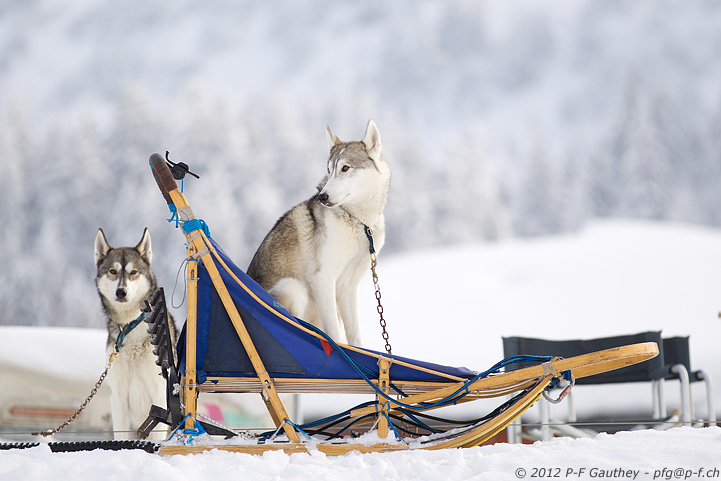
452 306
682 453
70 353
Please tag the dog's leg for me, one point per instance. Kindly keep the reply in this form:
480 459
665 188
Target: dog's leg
149 388
348 309
158 399
347 299
323 293
292 294
120 410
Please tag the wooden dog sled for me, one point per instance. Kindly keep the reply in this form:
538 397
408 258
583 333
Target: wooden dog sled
237 338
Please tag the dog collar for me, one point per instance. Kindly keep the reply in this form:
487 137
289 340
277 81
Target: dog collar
124 331
369 235
367 230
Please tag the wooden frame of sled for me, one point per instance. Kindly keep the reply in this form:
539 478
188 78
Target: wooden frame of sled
531 381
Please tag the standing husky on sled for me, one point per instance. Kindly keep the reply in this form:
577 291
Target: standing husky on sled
124 280
316 254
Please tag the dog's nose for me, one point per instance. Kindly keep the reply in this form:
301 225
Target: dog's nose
121 292
323 197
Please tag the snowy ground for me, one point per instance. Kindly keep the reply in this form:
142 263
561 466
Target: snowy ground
452 306
683 453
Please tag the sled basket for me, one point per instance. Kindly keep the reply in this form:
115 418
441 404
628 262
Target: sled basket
239 339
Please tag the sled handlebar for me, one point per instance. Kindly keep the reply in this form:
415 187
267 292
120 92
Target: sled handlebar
163 177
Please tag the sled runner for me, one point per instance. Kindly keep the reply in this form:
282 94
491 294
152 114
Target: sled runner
238 339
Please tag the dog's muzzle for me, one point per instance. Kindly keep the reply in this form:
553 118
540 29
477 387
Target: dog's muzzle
121 293
324 199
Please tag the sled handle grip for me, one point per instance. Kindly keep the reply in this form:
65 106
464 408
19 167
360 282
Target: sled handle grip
163 177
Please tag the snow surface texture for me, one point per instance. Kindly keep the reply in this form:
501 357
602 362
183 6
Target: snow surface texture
683 453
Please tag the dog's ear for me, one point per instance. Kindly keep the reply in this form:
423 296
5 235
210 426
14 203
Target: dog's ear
332 139
372 141
101 246
144 246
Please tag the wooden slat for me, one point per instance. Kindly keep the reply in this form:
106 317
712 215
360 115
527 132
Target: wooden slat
190 378
333 449
342 386
384 366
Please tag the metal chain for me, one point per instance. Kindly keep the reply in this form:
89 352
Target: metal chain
374 263
82 407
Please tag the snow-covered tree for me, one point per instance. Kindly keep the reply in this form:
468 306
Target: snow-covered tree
634 171
539 208
469 205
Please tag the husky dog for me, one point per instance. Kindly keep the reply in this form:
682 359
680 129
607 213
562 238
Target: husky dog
314 257
124 280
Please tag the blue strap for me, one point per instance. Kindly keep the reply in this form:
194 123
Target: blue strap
124 331
369 235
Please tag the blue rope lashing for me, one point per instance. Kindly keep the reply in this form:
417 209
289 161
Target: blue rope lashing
178 427
271 434
298 428
174 214
196 224
193 433
392 426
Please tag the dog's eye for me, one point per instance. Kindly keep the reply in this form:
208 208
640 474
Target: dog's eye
345 168
112 272
133 272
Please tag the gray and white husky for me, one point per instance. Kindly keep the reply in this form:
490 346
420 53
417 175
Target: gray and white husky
314 257
124 280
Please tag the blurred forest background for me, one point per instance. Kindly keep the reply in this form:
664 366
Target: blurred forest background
498 119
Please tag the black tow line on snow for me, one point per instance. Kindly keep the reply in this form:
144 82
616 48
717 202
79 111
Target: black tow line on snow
69 447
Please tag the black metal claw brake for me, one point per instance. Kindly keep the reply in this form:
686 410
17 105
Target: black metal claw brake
156 316
179 169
